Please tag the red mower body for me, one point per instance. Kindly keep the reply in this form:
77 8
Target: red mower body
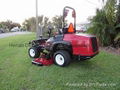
82 44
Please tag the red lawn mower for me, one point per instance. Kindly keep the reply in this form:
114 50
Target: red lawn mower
62 48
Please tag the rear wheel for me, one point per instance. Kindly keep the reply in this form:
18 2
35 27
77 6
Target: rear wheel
62 58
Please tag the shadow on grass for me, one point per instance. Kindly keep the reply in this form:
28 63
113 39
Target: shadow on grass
86 64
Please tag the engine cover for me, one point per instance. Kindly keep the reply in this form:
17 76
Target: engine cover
82 44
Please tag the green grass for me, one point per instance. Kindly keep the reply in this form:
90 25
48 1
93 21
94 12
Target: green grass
17 72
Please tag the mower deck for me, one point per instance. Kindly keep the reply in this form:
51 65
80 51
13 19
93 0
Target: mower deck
42 61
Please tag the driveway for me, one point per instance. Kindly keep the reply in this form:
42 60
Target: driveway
3 35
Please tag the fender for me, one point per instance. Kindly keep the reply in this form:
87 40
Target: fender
66 45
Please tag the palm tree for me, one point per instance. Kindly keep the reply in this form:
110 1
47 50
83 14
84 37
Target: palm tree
103 24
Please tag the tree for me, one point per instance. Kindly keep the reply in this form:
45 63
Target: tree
57 22
118 13
26 25
104 23
100 27
110 11
45 24
117 37
30 24
8 25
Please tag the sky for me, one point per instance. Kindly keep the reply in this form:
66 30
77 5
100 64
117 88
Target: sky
19 10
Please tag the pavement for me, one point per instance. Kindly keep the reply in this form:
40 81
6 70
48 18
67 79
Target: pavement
3 35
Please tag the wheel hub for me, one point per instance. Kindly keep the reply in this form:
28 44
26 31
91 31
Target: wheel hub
59 59
32 52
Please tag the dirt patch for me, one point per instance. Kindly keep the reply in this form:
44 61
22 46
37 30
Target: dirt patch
112 50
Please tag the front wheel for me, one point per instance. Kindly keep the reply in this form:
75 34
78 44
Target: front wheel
62 58
34 52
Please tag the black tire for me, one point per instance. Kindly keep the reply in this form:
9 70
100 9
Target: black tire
64 56
34 52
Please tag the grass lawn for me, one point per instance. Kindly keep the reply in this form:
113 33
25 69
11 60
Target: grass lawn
17 72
